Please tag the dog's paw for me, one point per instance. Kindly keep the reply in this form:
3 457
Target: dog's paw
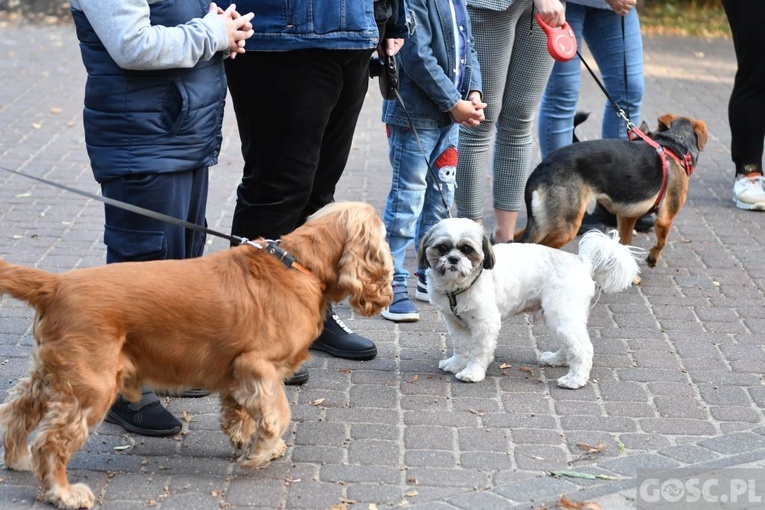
75 496
472 373
637 281
651 261
553 359
23 463
261 457
572 381
453 364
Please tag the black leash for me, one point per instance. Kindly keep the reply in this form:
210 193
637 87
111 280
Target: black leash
621 113
270 246
135 209
433 173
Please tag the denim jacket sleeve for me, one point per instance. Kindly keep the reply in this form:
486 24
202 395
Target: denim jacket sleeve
424 57
398 28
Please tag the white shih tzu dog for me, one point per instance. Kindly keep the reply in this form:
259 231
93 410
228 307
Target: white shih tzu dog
475 286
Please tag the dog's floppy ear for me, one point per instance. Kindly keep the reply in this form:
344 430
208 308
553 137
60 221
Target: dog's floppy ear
702 134
422 259
488 254
665 121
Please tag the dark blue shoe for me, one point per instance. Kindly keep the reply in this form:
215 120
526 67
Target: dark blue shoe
401 309
422 288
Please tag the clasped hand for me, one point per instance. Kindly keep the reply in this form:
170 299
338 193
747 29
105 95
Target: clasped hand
238 27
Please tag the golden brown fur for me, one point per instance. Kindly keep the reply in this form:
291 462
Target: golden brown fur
625 177
215 322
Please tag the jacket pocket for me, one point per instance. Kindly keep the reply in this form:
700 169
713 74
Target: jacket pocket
175 106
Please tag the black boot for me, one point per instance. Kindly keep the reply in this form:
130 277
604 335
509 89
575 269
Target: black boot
595 221
298 378
338 340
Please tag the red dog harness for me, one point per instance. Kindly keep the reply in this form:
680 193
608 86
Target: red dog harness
686 162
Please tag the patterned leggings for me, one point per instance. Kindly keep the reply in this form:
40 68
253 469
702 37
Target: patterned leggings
515 67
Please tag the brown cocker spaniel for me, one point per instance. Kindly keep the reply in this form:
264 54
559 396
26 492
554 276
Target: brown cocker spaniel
237 322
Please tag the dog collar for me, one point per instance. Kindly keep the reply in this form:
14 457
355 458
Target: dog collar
452 296
686 163
272 247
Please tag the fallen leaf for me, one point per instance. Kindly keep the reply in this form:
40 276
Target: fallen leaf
504 366
415 379
347 501
123 447
411 494
36 125
344 370
55 111
579 474
592 449
372 506
476 411
412 481
216 493
186 417
578 505
536 457
526 369
317 402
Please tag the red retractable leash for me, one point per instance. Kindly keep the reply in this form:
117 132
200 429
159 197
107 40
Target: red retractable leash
561 41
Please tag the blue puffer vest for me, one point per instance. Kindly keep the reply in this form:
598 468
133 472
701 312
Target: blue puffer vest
159 121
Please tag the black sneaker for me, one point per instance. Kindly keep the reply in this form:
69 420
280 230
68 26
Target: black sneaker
147 418
338 340
187 393
298 378
422 287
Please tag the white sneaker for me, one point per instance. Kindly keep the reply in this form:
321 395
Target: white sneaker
749 193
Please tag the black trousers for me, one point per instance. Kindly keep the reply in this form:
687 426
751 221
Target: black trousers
296 112
746 109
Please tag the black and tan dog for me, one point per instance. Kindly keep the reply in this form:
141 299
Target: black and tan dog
629 178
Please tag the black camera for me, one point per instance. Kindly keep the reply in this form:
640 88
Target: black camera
386 70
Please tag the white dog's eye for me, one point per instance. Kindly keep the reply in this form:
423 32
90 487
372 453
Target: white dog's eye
442 249
467 249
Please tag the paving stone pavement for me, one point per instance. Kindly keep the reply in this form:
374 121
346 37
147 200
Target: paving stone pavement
677 378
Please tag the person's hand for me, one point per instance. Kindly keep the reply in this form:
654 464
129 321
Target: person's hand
622 7
469 113
389 47
552 12
238 27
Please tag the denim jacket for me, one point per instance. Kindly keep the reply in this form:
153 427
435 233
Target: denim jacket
427 63
282 25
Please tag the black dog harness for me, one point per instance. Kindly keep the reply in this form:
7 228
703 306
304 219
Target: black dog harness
686 162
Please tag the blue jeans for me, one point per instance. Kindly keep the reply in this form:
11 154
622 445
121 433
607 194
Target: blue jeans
414 203
602 31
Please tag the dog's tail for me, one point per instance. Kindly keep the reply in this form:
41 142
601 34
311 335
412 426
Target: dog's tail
614 265
35 286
